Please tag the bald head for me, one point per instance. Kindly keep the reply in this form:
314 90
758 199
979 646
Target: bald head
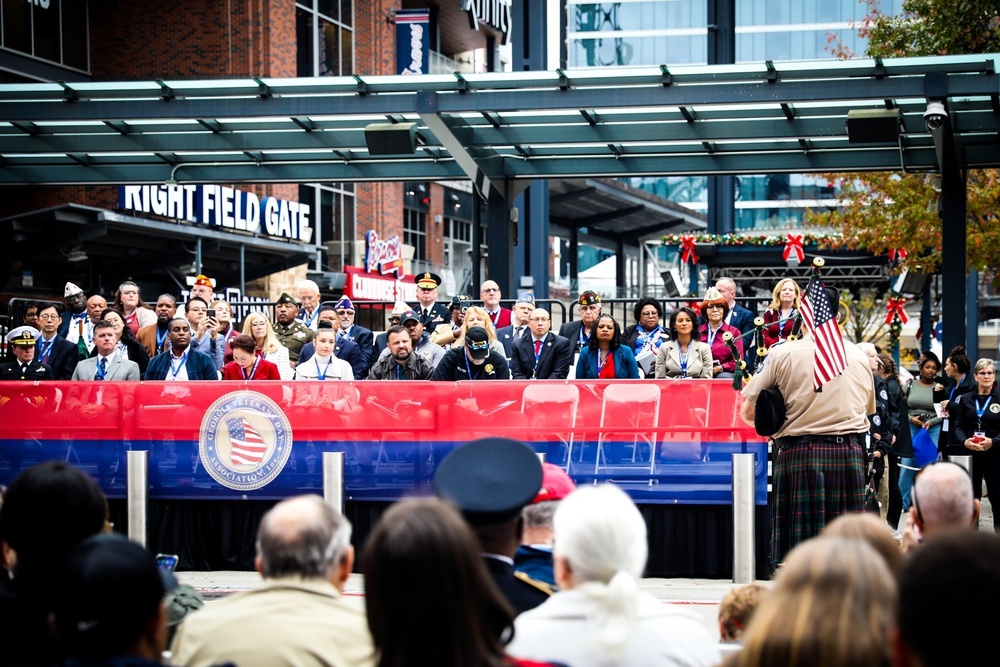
943 498
302 537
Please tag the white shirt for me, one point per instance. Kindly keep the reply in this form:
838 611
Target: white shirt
178 369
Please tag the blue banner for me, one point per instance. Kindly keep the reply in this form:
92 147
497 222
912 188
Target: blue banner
412 41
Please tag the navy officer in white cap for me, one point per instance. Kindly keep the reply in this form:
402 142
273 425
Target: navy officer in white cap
490 480
24 367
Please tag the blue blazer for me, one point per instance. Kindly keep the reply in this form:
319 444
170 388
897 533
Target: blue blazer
62 359
199 366
625 366
366 341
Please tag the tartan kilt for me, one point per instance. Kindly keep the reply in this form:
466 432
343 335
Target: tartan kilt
814 483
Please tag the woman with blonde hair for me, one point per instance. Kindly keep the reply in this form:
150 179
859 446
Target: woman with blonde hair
832 605
476 316
258 327
600 616
780 316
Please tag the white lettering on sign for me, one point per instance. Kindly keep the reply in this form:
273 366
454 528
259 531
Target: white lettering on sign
44 4
494 13
384 256
220 206
374 289
416 65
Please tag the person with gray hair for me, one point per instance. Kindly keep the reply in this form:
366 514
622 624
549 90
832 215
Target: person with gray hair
942 498
298 616
600 616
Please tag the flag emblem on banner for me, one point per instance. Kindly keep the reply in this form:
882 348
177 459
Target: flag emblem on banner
248 447
830 359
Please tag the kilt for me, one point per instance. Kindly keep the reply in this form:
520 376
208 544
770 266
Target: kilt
814 482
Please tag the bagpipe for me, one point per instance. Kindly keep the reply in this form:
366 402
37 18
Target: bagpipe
740 376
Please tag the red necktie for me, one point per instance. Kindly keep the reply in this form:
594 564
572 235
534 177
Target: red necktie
538 347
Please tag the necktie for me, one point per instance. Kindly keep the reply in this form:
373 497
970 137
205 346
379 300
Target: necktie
538 347
43 353
426 313
520 331
102 370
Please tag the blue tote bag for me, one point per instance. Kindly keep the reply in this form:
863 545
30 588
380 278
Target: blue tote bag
924 448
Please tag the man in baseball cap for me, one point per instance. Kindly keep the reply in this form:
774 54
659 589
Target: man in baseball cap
534 556
490 480
476 360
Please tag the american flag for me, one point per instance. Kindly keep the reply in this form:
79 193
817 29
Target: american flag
248 445
819 316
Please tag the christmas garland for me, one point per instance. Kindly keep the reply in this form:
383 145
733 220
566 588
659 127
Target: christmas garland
752 241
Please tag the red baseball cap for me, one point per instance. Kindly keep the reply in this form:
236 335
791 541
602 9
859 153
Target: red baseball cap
556 484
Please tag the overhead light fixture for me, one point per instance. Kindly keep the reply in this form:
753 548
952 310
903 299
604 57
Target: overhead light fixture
873 126
76 255
391 138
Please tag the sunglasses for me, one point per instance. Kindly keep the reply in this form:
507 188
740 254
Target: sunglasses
478 345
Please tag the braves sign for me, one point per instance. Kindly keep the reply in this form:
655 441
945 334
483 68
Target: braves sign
384 257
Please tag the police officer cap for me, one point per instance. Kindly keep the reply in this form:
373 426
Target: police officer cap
23 336
489 479
286 298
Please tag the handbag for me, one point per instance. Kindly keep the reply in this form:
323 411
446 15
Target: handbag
924 448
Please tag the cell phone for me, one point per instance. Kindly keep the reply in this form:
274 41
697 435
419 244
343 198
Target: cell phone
211 313
166 562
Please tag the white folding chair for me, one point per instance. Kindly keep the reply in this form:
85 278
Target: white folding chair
567 395
642 401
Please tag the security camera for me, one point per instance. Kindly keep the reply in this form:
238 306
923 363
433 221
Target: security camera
935 116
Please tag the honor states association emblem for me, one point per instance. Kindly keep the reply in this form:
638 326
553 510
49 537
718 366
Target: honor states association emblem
245 440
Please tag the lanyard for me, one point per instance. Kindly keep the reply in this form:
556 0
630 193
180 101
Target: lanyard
601 361
43 353
253 371
160 338
980 411
782 321
952 394
321 374
644 338
468 369
583 339
684 359
399 372
307 319
102 369
174 370
712 334
495 317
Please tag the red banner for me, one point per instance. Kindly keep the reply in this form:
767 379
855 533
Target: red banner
266 438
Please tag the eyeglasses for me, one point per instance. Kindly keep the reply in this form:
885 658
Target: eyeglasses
649 313
49 316
986 373
130 291
538 319
393 320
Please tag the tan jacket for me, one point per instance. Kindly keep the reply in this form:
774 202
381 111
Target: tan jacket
285 623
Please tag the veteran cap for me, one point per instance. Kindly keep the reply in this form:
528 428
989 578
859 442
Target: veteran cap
428 280
344 304
286 298
398 309
526 297
490 479
204 281
23 335
478 342
71 289
589 298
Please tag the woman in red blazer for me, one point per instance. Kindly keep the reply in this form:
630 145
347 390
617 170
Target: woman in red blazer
247 364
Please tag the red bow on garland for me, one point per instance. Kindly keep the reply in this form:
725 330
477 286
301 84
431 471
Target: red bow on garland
894 308
897 251
688 253
793 244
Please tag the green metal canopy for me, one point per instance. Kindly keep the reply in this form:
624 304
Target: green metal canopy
504 130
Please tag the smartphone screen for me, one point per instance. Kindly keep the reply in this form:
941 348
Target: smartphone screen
210 313
166 561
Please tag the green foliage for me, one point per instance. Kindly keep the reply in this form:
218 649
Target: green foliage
886 211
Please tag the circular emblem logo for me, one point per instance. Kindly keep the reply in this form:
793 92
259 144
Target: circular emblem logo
995 408
245 440
884 395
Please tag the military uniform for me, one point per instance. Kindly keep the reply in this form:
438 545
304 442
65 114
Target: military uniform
438 313
33 371
490 480
22 402
292 336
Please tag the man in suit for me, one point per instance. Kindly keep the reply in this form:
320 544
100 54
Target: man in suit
351 331
76 315
579 331
24 367
739 317
512 473
181 362
155 336
542 355
519 322
304 557
106 365
308 293
54 351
